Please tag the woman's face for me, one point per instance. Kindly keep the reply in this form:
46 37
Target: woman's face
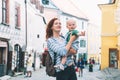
56 26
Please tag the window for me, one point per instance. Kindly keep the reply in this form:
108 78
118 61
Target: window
5 11
112 1
82 43
17 16
45 2
82 25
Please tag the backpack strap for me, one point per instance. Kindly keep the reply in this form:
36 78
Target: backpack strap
55 58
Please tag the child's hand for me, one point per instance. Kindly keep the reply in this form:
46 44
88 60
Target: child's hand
82 33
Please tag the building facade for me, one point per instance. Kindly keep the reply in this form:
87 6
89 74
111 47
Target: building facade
110 52
22 26
12 35
94 42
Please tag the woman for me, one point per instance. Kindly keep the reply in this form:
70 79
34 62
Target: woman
29 66
57 44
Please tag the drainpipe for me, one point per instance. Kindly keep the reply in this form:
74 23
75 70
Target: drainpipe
25 64
26 22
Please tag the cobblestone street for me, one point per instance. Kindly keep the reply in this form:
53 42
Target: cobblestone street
41 75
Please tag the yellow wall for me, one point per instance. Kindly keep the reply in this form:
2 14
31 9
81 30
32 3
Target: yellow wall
109 36
107 42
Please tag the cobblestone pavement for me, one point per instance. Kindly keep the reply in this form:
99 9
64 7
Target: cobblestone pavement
41 75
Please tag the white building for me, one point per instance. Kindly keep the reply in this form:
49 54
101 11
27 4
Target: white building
94 43
12 35
21 24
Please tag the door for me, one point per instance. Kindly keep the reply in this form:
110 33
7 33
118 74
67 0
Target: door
113 53
1 55
9 61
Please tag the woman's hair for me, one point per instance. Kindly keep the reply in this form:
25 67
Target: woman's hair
49 32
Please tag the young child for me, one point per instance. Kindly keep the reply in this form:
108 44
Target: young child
71 25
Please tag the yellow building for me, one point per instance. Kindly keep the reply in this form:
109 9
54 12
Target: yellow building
110 35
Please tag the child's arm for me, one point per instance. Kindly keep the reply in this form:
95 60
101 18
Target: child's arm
77 33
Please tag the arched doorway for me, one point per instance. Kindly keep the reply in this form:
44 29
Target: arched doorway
19 62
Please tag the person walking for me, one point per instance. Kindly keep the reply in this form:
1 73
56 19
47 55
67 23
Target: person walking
80 66
29 66
57 44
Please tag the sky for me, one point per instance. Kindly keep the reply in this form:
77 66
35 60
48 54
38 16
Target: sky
90 9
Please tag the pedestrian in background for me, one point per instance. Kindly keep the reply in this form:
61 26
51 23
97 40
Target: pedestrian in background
57 44
29 66
80 65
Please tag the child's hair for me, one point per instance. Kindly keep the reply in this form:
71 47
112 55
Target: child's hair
71 19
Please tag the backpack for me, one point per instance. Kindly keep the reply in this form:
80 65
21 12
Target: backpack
44 54
50 70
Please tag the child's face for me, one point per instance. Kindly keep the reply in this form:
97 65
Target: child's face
71 25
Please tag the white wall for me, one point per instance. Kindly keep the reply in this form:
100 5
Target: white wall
0 11
17 36
36 27
94 40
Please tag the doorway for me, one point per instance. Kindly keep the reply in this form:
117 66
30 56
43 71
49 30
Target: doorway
19 58
113 53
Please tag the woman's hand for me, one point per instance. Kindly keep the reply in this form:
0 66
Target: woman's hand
81 33
72 51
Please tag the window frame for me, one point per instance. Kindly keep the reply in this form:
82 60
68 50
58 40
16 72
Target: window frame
4 12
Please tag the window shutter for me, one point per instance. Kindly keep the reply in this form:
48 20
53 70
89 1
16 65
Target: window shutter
18 16
41 9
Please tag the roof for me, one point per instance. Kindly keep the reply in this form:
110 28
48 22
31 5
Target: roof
66 6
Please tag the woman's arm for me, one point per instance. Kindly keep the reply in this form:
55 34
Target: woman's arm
61 49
